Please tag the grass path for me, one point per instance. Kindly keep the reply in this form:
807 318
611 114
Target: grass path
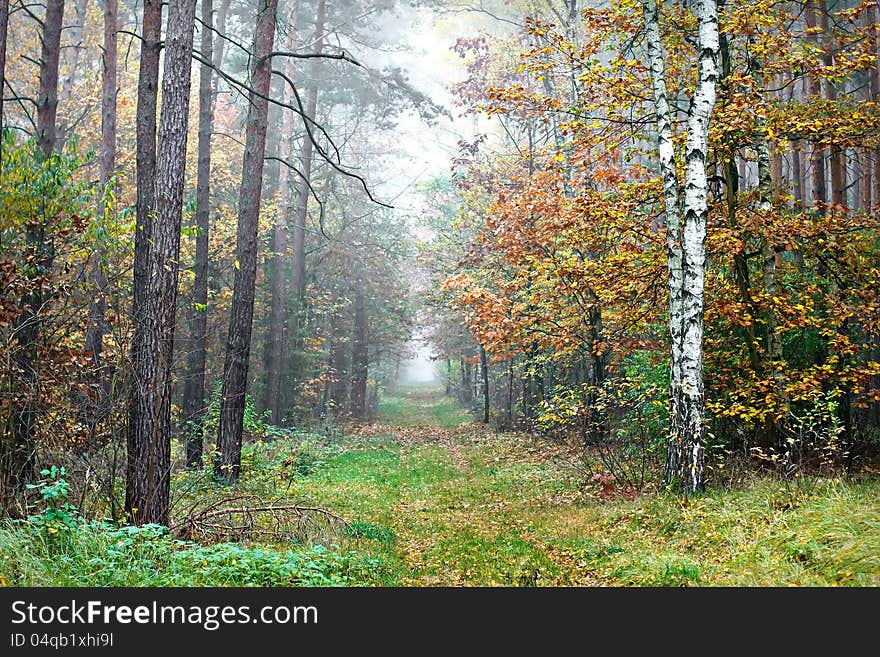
445 501
432 498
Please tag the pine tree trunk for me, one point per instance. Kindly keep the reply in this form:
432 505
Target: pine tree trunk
339 362
94 338
874 90
4 28
359 354
73 52
276 339
194 388
465 394
149 431
302 187
47 103
18 452
817 152
238 344
484 373
145 157
837 159
797 186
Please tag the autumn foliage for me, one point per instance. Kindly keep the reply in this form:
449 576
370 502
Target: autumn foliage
565 276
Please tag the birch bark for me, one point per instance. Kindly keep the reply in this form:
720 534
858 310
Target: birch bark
686 216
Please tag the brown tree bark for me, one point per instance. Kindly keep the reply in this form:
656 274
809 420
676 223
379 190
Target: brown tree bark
359 353
235 369
484 375
145 157
872 82
149 431
108 92
18 452
837 159
817 151
865 180
466 394
194 388
47 104
4 27
72 53
339 360
97 328
302 187
797 189
276 337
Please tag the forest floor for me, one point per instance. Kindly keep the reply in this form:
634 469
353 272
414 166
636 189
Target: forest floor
432 498
446 501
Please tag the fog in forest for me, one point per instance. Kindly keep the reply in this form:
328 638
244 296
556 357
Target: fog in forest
420 369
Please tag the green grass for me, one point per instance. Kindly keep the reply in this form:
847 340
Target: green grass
420 406
99 555
468 506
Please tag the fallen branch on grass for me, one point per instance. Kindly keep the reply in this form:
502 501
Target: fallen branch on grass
244 517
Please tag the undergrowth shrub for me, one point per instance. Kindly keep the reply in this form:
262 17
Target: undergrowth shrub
619 424
57 547
100 554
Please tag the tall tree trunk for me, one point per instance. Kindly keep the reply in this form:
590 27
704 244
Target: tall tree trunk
685 460
72 55
865 181
75 31
359 353
145 158
94 338
837 159
696 209
866 164
4 28
235 369
18 453
47 104
817 154
484 373
797 175
508 410
465 395
302 187
339 362
149 431
874 91
194 389
674 253
275 356
773 344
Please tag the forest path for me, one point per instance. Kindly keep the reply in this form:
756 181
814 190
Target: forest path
465 504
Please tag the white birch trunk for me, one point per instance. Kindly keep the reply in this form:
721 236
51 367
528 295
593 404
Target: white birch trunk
686 291
674 255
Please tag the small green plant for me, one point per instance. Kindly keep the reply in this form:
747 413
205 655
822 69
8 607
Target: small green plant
256 423
371 531
58 515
